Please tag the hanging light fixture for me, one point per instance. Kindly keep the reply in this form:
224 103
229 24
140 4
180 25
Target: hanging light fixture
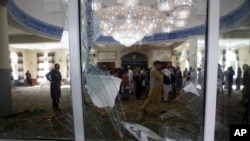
167 28
178 15
180 23
128 22
183 2
96 5
130 3
165 5
182 9
181 12
168 24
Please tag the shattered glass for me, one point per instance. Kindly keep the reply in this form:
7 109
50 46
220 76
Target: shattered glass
100 90
33 116
106 117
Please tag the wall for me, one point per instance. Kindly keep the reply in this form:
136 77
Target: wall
244 54
121 51
30 60
61 59
30 63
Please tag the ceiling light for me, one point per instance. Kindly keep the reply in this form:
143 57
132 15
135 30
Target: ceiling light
167 28
130 3
180 23
181 12
183 2
165 5
128 22
96 5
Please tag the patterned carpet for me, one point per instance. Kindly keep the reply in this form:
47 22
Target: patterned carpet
33 117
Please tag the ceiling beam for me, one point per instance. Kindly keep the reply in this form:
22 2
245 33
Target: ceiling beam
29 39
237 35
176 44
27 33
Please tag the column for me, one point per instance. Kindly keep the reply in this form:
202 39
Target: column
75 67
193 53
5 83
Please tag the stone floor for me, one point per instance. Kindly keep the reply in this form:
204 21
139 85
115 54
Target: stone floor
33 117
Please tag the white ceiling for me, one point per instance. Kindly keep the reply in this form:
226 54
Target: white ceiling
15 31
53 12
49 11
37 46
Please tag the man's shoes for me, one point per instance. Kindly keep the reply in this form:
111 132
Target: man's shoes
162 112
56 109
144 111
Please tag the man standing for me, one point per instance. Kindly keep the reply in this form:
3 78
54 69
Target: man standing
230 74
246 93
154 95
138 78
167 83
178 78
130 76
54 76
28 78
125 86
246 83
238 79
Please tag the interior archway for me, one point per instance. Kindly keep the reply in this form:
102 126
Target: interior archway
134 59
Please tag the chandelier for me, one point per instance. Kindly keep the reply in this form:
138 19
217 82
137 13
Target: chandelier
128 22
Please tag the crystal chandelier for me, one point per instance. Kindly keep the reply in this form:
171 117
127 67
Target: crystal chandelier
177 11
128 22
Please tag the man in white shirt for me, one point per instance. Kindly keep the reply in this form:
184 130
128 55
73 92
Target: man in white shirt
167 84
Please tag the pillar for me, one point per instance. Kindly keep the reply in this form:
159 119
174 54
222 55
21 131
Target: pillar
193 52
5 83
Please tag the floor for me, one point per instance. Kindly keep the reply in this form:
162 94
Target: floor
33 117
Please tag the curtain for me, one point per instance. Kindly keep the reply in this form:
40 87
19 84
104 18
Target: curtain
188 55
202 57
11 69
223 58
40 67
237 57
20 68
68 70
51 57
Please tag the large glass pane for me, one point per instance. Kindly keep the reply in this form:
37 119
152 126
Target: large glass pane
143 69
233 59
41 98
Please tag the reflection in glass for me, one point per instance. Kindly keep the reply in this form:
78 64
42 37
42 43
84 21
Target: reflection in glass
233 54
117 80
32 115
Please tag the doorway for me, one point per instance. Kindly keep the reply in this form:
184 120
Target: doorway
134 59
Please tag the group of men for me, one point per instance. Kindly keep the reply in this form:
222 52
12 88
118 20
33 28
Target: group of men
166 80
132 81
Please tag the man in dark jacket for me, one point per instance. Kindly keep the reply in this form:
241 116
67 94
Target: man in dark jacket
230 75
28 78
246 93
54 76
